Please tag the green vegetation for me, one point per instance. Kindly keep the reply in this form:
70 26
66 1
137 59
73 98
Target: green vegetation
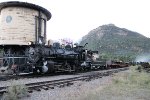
132 85
116 43
15 92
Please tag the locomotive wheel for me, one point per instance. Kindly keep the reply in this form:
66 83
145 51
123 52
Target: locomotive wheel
50 65
35 71
68 67
46 68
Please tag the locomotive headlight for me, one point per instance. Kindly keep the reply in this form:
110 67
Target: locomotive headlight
29 43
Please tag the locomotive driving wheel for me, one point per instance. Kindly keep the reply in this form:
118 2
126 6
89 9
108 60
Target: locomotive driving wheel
68 67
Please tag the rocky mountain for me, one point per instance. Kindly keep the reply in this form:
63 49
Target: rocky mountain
114 42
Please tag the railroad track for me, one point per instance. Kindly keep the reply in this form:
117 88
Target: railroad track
46 85
17 77
22 76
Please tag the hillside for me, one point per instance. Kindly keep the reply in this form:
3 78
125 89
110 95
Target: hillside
114 42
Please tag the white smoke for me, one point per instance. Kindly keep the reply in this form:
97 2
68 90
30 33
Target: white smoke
143 58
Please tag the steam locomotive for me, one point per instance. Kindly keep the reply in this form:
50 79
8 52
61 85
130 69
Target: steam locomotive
46 58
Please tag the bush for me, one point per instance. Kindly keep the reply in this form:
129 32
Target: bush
15 92
134 78
130 85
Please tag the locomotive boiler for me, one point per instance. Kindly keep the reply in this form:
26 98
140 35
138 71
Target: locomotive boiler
23 43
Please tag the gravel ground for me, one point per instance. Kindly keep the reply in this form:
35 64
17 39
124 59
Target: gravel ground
73 92
98 89
32 80
40 79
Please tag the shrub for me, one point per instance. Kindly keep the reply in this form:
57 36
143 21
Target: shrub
130 85
15 92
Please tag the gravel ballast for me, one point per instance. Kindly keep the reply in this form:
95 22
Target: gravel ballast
73 92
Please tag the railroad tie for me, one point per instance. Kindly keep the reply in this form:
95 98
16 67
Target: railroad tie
100 76
105 74
65 84
97 77
116 71
45 87
30 91
88 79
61 85
37 89
50 87
69 84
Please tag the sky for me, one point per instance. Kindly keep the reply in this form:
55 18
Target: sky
75 18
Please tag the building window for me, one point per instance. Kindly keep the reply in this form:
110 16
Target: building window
8 19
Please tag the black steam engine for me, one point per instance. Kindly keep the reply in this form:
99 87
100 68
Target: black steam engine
46 59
